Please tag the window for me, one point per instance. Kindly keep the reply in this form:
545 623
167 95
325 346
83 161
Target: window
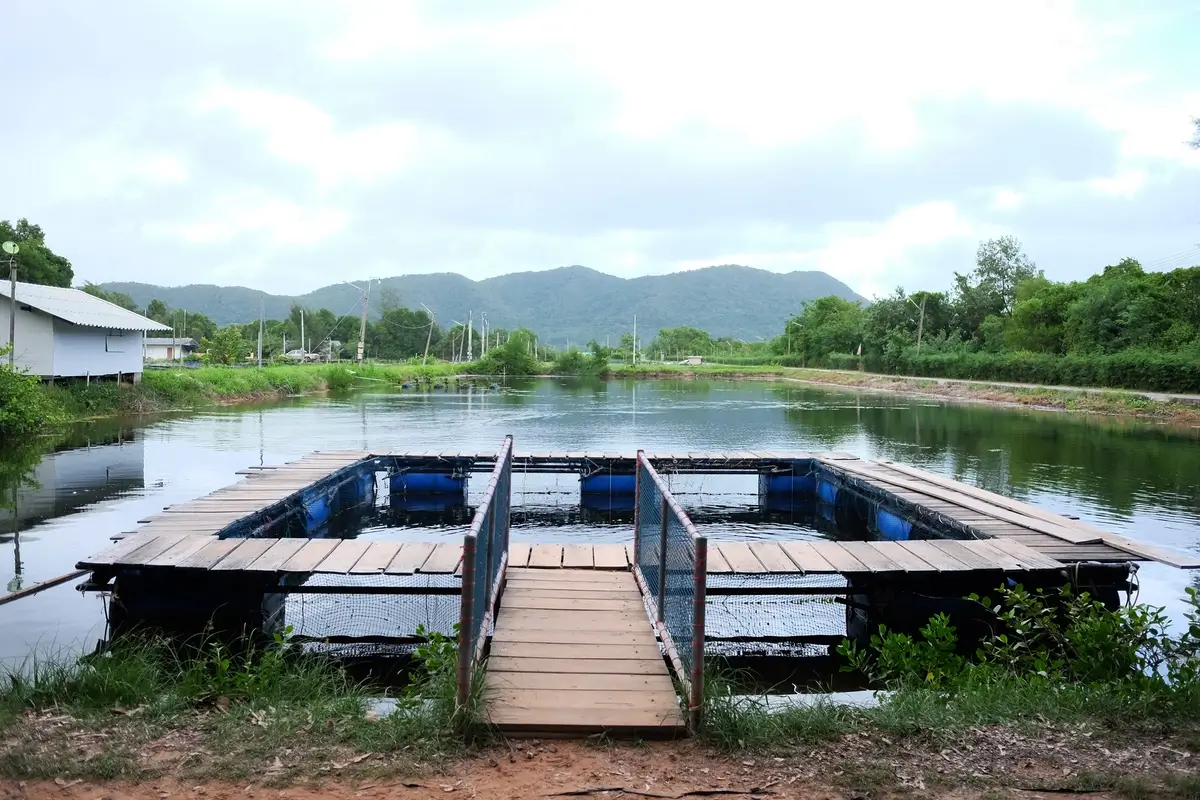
114 342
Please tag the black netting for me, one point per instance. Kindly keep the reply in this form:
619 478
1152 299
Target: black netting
488 540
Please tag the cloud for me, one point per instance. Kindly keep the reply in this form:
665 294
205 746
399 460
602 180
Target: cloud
265 141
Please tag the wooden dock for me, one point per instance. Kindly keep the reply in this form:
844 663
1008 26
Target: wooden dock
360 557
573 654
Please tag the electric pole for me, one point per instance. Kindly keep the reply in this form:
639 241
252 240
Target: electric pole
470 331
921 324
429 335
302 345
12 315
260 330
362 324
635 340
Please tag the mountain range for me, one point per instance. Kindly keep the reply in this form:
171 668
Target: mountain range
569 303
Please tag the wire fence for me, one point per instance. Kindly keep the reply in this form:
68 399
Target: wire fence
485 555
671 567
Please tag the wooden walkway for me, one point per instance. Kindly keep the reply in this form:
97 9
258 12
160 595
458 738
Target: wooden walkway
261 487
985 514
573 654
364 557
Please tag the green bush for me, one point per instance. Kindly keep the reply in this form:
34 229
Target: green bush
25 410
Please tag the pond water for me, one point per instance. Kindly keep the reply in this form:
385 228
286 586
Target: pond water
1139 479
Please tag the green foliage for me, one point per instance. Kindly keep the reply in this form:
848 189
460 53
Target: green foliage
225 347
1062 638
514 357
338 378
825 325
35 263
24 409
117 298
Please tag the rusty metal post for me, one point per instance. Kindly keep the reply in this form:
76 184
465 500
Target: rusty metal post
699 599
662 559
466 626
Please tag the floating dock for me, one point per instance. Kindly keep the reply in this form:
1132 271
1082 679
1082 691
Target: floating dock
585 637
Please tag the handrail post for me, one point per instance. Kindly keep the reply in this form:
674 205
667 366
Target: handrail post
637 503
466 627
662 558
699 599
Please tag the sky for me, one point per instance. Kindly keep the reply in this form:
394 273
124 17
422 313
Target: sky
289 144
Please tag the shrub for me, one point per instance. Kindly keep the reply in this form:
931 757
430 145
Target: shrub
25 410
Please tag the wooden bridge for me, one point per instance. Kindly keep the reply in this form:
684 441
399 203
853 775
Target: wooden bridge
585 637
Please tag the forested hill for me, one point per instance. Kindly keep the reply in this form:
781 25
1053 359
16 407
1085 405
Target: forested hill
574 303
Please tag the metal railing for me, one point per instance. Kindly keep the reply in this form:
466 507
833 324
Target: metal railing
485 556
671 568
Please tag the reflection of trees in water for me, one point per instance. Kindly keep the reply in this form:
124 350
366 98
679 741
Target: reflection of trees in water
1016 452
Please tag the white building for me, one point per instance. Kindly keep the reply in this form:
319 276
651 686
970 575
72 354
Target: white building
66 333
167 349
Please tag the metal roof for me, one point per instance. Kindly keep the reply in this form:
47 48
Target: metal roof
79 307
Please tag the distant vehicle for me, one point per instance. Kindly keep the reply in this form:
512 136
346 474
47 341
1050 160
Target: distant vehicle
692 361
302 355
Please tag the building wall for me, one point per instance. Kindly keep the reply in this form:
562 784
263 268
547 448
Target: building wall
34 338
80 351
160 352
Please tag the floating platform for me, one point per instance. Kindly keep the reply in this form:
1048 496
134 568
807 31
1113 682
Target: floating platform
579 638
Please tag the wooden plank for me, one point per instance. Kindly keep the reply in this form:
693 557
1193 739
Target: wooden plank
155 547
659 682
610 556
1027 557
807 558
961 551
518 554
717 565
274 558
771 556
839 557
444 559
550 721
181 550
546 556
1055 529
309 557
523 600
582 666
739 557
938 559
582 575
108 555
514 619
410 558
376 559
344 556
578 556
575 699
586 651
570 589
904 559
209 555
572 637
245 555
871 557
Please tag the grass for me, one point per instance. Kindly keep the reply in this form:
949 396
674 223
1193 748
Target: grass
241 709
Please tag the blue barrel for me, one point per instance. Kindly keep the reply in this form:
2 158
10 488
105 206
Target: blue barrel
316 508
427 483
608 502
892 526
427 502
608 483
827 492
791 484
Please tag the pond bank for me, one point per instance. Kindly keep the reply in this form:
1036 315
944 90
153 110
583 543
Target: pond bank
1111 402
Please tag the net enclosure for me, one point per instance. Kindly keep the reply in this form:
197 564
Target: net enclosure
671 566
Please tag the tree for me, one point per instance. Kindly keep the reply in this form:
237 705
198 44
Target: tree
825 325
680 342
402 333
1000 266
117 298
36 263
157 310
514 357
225 347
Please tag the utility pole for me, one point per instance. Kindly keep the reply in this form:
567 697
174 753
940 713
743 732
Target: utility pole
470 338
484 336
12 315
921 324
429 335
362 324
635 340
261 311
302 345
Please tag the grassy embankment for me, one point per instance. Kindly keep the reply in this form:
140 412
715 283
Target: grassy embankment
1106 401
172 389
1072 698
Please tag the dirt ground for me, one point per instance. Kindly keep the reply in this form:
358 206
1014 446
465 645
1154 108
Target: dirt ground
989 764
